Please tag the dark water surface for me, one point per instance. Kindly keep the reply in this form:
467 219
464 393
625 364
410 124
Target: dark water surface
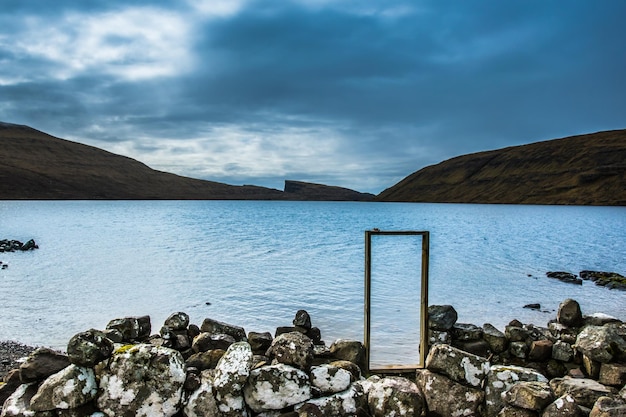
255 263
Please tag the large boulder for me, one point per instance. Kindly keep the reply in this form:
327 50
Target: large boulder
42 363
330 379
201 402
177 321
495 338
88 348
584 391
529 395
302 319
217 327
275 387
349 350
569 313
294 349
18 403
500 379
564 406
395 396
600 343
142 380
231 374
460 366
613 374
445 397
441 317
69 388
348 403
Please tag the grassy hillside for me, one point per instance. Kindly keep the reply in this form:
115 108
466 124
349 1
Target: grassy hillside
578 170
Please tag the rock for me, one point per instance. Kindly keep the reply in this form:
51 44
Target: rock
293 349
142 380
600 343
540 350
302 319
441 317
567 277
349 350
395 396
564 406
500 379
231 374
177 321
516 333
208 341
260 342
18 403
613 374
275 387
608 407
42 363
509 411
205 360
562 332
438 337
330 379
466 332
569 313
599 319
215 327
529 395
460 366
88 348
9 385
592 368
533 306
348 403
87 410
584 391
518 349
69 388
351 367
132 329
495 338
562 351
444 397
476 347
201 403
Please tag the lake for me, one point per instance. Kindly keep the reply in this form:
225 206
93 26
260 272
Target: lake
255 263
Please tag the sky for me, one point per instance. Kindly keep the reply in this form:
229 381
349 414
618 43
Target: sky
357 94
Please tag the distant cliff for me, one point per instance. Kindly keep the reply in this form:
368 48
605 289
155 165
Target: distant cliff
35 165
579 170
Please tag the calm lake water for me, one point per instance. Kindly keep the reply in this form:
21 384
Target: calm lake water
255 263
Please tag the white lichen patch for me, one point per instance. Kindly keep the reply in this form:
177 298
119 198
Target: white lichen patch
473 375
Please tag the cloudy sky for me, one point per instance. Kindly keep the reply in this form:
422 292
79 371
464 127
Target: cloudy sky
343 92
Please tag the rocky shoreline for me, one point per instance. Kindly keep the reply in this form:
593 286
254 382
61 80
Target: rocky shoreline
608 280
575 366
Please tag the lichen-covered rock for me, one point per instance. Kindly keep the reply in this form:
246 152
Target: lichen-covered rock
142 380
445 397
395 396
608 407
438 337
518 349
564 406
132 329
613 374
201 403
584 391
569 313
231 374
466 332
293 349
42 363
217 327
600 343
275 387
348 403
495 338
508 411
69 388
501 378
530 395
88 348
18 403
562 351
349 350
441 317
351 367
460 366
177 321
330 379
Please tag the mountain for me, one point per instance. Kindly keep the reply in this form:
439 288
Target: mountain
35 165
298 190
578 170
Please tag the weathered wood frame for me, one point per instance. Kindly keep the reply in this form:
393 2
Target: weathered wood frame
423 348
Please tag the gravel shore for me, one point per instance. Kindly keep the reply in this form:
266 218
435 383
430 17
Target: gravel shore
10 354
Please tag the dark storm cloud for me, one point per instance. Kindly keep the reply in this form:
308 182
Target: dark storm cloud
315 90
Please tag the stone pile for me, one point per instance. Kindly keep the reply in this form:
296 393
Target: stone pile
7 245
574 367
